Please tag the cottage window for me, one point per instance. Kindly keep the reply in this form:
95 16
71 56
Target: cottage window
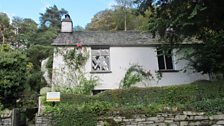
94 92
165 61
100 59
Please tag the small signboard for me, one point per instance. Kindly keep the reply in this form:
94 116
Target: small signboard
53 96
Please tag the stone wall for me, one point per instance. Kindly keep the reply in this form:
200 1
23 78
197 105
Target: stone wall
6 118
6 121
186 118
183 119
42 121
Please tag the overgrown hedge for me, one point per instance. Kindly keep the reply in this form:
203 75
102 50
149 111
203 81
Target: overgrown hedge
199 96
170 95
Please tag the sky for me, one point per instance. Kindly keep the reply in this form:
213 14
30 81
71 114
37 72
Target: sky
81 11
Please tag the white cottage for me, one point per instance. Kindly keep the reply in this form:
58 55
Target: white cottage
111 54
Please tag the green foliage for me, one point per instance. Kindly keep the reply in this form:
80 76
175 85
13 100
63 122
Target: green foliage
13 71
85 86
44 90
25 34
116 20
104 23
52 18
190 19
49 65
135 74
26 31
36 53
208 58
7 35
76 57
68 115
209 105
203 96
46 36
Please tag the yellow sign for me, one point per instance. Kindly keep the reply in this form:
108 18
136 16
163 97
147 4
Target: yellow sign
53 96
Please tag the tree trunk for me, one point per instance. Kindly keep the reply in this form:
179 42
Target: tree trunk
3 38
125 21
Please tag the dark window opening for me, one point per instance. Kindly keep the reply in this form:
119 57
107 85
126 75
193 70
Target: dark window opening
165 61
95 92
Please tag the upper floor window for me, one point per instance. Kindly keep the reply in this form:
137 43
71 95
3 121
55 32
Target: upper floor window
100 59
165 60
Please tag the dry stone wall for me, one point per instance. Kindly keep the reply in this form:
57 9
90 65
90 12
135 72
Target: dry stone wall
6 118
187 118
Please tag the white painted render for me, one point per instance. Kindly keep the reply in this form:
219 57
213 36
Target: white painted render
121 58
45 72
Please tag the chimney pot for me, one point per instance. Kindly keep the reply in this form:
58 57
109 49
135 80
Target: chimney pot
66 24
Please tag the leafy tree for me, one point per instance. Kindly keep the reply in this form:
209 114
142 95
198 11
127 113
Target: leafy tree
13 71
177 20
124 5
46 37
52 18
26 30
37 53
113 20
6 30
50 23
103 20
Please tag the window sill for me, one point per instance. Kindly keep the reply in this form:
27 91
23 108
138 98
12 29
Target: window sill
100 72
168 70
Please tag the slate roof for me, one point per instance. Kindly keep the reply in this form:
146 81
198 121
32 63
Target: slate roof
104 38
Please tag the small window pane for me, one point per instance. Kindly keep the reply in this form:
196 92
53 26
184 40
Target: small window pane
161 62
159 52
169 63
100 60
165 59
95 52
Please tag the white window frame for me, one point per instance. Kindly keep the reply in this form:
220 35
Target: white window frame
108 55
164 60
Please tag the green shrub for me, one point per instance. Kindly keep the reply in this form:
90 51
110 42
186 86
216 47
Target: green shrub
199 96
209 105
70 115
44 90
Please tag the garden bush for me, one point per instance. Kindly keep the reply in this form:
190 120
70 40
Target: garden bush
203 96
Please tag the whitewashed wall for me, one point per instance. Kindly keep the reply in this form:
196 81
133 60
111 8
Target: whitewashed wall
121 58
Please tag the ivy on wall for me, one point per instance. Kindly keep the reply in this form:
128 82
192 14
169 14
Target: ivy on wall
136 74
74 70
76 57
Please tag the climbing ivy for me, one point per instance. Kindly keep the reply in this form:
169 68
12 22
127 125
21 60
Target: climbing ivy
136 74
76 57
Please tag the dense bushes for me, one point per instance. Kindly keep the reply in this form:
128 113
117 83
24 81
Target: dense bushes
199 96
66 115
171 95
13 72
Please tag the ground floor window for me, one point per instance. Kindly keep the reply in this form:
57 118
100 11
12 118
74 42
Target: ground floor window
165 61
94 92
100 59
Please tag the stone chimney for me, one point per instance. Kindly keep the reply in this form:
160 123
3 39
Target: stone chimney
66 24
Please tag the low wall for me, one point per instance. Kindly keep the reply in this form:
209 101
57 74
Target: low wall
6 118
186 118
42 121
6 121
164 119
